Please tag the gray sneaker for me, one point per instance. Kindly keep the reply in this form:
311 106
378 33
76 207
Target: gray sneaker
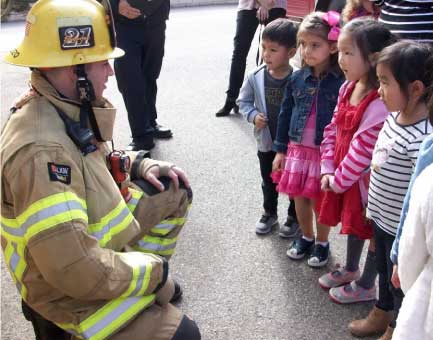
290 229
265 223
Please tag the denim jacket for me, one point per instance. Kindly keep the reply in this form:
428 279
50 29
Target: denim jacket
297 102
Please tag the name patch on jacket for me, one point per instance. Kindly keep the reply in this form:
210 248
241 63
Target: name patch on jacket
59 173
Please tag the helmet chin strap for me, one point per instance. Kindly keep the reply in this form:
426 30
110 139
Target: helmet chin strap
87 95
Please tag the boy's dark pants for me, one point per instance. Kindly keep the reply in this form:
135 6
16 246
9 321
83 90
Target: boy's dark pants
270 194
390 298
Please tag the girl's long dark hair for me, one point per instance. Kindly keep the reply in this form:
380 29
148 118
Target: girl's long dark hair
370 37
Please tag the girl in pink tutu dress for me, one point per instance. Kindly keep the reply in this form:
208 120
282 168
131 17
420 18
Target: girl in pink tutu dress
308 105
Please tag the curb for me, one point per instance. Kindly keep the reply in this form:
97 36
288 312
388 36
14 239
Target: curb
20 16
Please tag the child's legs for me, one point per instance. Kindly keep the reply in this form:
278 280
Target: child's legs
353 252
270 194
291 210
322 229
386 299
322 232
304 212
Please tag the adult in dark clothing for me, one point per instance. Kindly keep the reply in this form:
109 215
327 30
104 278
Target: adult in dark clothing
142 37
251 13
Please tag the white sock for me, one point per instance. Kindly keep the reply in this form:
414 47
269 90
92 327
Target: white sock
324 244
307 238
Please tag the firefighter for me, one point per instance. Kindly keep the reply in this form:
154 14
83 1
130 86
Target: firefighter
89 262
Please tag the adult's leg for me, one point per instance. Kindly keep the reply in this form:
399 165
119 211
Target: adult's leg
131 82
246 26
161 215
44 329
270 194
153 54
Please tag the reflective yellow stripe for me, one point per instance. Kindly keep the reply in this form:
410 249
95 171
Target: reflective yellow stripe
156 245
14 257
166 226
136 196
142 269
44 214
110 318
111 224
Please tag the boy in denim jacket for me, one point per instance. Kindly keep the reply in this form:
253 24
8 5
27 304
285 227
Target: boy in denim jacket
260 101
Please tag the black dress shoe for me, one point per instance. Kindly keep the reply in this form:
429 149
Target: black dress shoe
226 109
161 132
177 292
137 146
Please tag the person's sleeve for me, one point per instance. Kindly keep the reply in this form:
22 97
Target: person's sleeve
417 233
246 100
327 147
284 117
48 195
356 161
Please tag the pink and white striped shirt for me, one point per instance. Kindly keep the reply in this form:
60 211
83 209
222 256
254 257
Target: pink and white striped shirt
356 164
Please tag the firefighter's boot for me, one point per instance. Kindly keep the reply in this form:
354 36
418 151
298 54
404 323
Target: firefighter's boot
376 322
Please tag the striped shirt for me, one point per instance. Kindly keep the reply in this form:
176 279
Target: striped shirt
394 159
408 19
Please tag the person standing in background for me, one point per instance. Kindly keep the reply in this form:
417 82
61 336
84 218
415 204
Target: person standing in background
251 13
140 32
408 19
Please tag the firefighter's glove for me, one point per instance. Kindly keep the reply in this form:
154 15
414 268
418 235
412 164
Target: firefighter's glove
166 292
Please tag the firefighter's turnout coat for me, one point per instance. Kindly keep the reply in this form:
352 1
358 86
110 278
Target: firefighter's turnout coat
78 254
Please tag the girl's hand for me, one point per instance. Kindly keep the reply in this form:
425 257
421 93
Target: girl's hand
324 183
127 10
260 121
278 163
262 14
395 280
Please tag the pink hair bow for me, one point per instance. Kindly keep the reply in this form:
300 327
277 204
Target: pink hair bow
333 20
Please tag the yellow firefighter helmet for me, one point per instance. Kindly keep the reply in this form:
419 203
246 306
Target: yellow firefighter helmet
66 32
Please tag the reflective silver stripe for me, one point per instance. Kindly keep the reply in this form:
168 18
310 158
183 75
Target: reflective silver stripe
140 280
114 222
13 263
133 201
15 258
156 246
42 215
109 318
165 226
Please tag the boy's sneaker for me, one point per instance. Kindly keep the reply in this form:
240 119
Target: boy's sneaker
337 278
265 223
290 228
299 248
319 257
352 293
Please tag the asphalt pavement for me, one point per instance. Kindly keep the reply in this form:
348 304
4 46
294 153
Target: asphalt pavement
236 284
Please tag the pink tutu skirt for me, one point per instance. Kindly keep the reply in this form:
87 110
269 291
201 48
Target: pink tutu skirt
301 174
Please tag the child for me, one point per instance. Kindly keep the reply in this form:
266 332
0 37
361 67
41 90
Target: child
415 319
346 153
259 101
359 8
403 89
309 102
